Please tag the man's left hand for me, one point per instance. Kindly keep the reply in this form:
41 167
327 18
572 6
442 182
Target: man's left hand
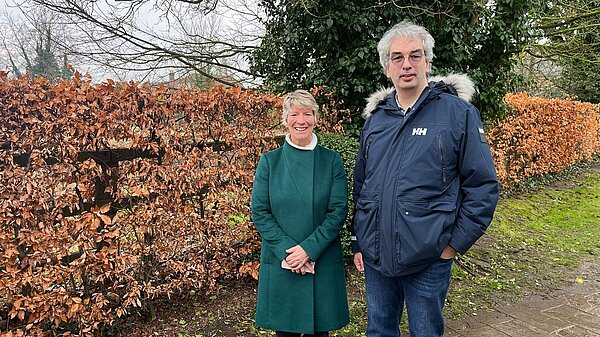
448 253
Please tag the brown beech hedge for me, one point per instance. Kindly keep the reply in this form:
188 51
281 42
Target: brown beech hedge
116 194
543 135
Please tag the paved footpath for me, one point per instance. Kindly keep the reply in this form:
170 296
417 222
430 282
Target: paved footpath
572 311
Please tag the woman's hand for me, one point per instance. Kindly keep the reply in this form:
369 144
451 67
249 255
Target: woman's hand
297 258
307 268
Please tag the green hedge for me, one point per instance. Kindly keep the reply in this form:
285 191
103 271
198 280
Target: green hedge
347 147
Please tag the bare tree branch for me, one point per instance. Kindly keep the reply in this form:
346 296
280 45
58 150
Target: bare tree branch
184 34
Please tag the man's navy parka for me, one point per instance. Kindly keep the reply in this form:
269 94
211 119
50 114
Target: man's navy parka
422 180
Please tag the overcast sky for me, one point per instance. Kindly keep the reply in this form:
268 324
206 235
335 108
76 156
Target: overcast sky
148 17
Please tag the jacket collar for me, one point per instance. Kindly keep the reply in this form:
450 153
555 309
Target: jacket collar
457 84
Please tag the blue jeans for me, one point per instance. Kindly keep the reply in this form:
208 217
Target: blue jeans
424 293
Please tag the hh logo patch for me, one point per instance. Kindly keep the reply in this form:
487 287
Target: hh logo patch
482 135
419 131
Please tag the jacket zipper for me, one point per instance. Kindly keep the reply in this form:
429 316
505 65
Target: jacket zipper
396 240
439 137
367 146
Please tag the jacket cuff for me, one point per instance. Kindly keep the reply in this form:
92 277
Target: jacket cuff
460 249
354 245
282 247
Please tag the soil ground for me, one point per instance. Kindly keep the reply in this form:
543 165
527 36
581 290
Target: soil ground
231 313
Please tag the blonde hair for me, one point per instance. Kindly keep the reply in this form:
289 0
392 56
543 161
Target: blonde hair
300 99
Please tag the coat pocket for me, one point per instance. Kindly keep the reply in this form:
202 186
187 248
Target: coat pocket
424 230
366 226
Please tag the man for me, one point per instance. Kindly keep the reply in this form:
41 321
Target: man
425 186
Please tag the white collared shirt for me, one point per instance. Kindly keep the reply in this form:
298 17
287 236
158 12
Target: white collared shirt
311 146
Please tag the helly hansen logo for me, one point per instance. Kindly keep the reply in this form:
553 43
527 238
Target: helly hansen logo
419 131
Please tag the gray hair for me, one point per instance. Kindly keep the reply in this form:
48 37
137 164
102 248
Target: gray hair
300 99
405 29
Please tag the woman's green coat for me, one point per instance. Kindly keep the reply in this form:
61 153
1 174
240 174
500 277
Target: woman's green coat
300 197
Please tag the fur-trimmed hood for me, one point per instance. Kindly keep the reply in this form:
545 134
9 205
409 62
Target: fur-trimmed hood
459 84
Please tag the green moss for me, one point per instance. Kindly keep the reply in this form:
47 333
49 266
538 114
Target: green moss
533 244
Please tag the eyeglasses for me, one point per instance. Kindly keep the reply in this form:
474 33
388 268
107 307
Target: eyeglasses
414 58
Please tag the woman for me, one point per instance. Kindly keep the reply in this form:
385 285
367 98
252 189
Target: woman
299 203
